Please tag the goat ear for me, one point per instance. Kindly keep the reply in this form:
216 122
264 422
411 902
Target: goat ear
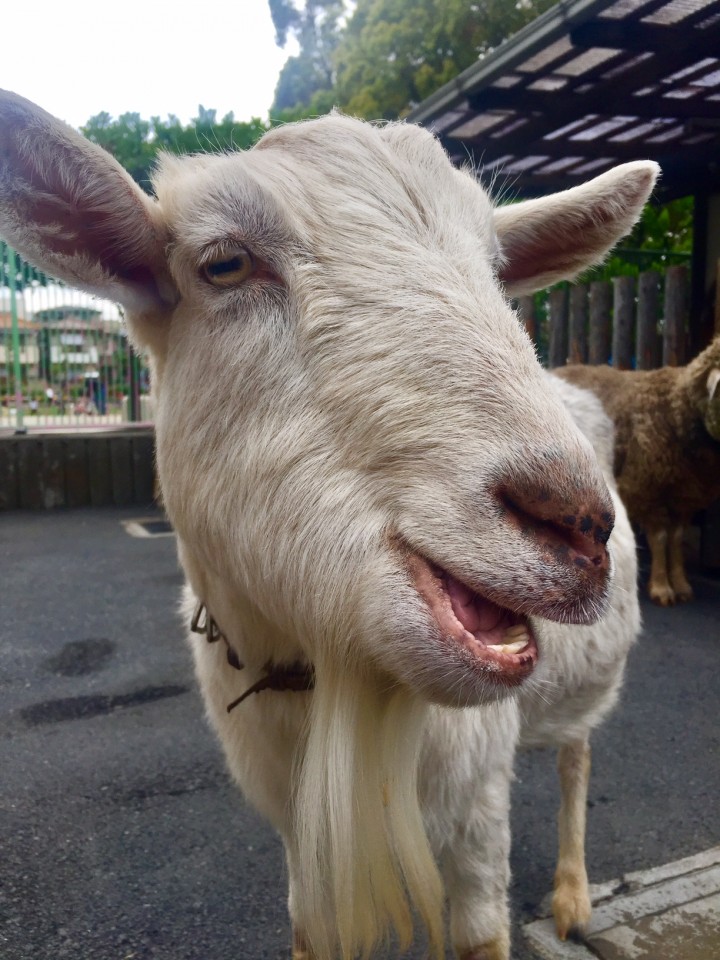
70 209
555 238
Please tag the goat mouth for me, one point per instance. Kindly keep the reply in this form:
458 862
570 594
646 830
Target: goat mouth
500 641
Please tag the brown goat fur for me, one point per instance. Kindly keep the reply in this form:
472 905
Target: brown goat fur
667 452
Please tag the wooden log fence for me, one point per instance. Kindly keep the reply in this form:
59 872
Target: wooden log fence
631 322
599 335
43 471
649 338
623 327
676 306
558 349
578 339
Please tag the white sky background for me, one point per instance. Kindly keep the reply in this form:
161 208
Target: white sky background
76 58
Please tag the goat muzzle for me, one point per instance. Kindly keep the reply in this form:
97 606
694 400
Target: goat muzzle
569 532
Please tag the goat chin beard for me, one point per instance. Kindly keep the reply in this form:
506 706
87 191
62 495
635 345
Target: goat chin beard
364 861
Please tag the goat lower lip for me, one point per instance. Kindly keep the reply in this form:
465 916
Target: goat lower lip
476 625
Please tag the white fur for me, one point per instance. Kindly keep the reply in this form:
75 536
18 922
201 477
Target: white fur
366 396
577 683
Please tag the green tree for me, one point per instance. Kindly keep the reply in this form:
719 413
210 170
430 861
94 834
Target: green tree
135 142
206 134
661 238
316 25
128 139
394 53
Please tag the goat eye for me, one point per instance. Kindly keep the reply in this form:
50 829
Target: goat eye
229 271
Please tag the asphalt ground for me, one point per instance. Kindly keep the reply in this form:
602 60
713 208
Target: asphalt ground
121 836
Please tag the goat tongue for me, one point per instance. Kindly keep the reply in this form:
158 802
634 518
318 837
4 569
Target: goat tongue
500 642
475 613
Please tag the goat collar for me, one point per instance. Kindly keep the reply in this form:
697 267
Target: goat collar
297 676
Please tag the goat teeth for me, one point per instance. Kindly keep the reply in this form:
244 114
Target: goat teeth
516 632
515 647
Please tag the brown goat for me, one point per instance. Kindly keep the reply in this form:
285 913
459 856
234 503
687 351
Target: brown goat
667 453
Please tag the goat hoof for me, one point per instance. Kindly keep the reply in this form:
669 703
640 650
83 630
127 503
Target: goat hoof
498 949
664 596
571 909
684 594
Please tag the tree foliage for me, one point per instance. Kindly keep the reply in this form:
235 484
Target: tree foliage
393 53
135 142
389 55
661 238
374 59
316 26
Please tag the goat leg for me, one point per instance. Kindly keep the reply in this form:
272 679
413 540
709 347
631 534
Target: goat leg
476 869
498 949
659 586
683 590
571 899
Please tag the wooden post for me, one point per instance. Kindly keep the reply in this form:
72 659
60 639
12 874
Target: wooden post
623 339
649 341
526 311
578 348
9 492
676 304
600 307
558 350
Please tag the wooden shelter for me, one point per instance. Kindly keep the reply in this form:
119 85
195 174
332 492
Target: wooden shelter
590 84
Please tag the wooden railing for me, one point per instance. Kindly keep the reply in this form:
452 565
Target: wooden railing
632 322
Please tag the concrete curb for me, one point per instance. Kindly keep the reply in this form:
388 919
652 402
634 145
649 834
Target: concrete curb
670 912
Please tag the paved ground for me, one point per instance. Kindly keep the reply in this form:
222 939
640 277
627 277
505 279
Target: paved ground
121 837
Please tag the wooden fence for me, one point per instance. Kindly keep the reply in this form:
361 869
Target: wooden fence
43 471
631 322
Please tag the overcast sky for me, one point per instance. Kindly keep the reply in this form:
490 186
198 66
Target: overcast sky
78 57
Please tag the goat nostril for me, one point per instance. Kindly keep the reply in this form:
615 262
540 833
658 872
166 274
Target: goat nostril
578 536
595 527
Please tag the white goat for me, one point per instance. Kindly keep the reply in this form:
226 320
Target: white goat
374 486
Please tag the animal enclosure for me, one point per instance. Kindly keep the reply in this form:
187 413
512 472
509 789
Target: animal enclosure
632 322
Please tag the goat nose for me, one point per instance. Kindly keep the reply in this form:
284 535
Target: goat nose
573 530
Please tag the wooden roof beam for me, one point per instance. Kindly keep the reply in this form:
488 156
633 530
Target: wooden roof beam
645 37
490 149
652 107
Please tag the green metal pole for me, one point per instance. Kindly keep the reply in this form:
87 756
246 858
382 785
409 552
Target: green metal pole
12 262
134 398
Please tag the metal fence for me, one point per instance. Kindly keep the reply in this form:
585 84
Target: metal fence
65 359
